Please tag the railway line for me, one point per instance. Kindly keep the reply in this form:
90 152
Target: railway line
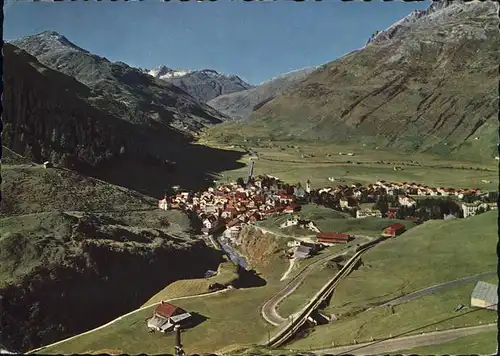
301 317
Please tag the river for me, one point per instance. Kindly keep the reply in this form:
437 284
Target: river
231 252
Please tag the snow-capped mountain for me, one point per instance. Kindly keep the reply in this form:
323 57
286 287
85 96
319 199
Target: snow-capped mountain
163 72
203 85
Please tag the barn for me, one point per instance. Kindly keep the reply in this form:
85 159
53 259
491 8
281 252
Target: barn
484 296
394 230
166 316
330 238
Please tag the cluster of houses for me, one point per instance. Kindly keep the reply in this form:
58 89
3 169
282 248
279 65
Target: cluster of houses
351 196
230 206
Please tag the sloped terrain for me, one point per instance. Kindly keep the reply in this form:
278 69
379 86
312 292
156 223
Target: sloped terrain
62 274
119 89
47 116
30 189
241 104
428 83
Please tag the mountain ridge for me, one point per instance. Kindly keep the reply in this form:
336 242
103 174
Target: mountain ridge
122 90
204 84
410 91
241 104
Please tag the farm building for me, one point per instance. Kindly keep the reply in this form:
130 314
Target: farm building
166 316
394 230
329 238
484 296
301 252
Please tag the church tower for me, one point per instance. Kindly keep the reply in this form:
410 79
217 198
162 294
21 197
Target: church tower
308 186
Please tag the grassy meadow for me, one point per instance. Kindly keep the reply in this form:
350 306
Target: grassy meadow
432 253
477 344
368 165
227 274
330 220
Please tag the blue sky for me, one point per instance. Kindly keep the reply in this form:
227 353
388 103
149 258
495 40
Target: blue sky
256 41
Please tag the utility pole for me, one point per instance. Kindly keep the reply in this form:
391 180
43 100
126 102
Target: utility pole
1 317
178 346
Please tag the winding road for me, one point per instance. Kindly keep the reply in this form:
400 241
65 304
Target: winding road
268 310
407 342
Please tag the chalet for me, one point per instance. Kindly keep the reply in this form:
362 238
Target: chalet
330 238
166 316
394 230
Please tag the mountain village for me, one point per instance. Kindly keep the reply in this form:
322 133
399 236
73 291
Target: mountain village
228 207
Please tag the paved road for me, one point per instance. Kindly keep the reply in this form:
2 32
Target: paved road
407 342
125 315
436 287
268 310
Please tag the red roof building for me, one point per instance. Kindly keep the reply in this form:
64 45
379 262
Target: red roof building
167 310
291 208
332 237
394 230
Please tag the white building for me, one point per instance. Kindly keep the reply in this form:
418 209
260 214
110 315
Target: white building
484 296
293 243
289 222
470 209
164 204
368 213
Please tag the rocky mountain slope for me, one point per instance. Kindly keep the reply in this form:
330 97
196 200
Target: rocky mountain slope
203 85
429 82
99 266
123 91
48 116
241 104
